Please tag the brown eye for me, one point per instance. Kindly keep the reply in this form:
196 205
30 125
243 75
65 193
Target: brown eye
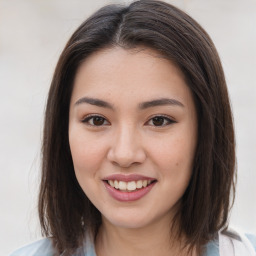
158 121
95 121
98 120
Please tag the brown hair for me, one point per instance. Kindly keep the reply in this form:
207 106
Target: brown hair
64 210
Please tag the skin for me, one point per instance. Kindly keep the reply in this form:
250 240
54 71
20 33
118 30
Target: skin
126 140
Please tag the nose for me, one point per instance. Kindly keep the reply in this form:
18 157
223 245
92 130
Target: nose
126 148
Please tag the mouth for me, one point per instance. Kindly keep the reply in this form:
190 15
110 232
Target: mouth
129 186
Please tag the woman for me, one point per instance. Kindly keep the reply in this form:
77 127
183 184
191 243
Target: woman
138 148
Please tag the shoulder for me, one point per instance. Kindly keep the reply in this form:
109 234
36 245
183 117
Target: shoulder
212 248
41 247
238 242
44 247
252 239
231 242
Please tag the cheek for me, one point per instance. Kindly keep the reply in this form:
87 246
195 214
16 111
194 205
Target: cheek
176 151
174 157
86 157
87 154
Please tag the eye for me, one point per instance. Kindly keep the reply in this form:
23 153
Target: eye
95 120
160 121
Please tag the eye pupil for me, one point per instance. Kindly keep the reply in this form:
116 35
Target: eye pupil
158 121
97 120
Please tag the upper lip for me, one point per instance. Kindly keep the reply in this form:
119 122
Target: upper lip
127 178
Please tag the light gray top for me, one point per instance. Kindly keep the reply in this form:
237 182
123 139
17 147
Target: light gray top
44 247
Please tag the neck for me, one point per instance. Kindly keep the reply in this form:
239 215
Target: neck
156 239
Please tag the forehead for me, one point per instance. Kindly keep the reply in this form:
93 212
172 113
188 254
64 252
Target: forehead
135 73
134 59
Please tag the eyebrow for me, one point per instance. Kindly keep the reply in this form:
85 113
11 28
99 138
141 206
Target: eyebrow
160 102
95 102
143 105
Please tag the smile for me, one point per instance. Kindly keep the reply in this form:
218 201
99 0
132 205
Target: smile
129 186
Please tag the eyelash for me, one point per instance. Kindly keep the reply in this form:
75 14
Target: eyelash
167 120
89 118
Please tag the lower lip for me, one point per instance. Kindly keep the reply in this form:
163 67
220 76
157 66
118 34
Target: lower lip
128 196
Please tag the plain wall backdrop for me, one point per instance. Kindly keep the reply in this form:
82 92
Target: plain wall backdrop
32 35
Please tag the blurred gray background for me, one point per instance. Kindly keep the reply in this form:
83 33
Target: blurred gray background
32 35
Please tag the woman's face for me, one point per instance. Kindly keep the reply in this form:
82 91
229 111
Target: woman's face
132 135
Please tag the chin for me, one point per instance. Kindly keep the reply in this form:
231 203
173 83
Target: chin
127 221
127 224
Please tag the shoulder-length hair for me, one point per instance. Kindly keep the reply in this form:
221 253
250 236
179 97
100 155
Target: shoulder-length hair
64 210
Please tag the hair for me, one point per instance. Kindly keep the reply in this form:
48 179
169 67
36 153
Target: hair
65 212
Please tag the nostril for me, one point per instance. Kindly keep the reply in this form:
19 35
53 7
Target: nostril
126 159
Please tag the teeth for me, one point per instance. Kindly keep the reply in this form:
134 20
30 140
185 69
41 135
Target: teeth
139 184
122 185
116 184
129 186
111 182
